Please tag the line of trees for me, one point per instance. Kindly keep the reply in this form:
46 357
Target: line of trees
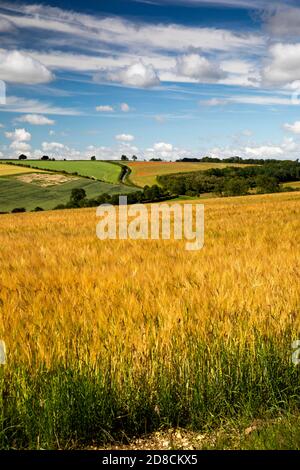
232 181
236 159
149 194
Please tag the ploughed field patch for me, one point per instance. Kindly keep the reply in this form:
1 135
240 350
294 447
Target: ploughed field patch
45 179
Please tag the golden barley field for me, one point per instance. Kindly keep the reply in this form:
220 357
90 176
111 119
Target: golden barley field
8 170
113 336
145 173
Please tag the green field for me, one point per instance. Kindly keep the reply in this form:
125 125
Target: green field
14 193
292 184
104 171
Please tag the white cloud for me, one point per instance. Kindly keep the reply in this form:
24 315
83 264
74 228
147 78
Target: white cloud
20 135
136 35
166 151
17 67
50 146
284 64
199 68
125 107
20 146
105 109
136 75
124 137
226 3
260 100
163 147
287 149
264 151
36 120
19 138
16 104
295 127
51 132
1 125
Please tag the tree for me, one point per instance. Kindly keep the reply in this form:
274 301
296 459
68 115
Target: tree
236 187
134 158
18 209
124 158
45 157
93 158
267 184
77 195
22 157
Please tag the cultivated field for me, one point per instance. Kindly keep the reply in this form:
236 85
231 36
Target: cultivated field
145 173
112 339
104 171
16 193
292 184
7 170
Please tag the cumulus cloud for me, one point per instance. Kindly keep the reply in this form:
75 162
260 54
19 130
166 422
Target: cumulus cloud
199 68
136 75
19 138
264 151
50 146
125 107
283 66
20 146
105 109
36 120
295 127
124 137
287 149
20 135
166 151
17 67
163 147
284 22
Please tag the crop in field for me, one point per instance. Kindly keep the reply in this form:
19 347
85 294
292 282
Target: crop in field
7 170
15 193
122 337
145 173
292 184
104 171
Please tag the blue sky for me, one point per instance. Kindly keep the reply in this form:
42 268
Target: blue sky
155 78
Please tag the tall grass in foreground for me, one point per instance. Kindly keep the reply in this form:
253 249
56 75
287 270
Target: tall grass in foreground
107 340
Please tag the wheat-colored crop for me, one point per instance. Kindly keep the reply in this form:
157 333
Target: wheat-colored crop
156 318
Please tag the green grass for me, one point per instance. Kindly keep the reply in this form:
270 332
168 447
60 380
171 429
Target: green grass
292 184
74 404
104 171
280 433
14 193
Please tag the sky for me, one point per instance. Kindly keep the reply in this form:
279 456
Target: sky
152 78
